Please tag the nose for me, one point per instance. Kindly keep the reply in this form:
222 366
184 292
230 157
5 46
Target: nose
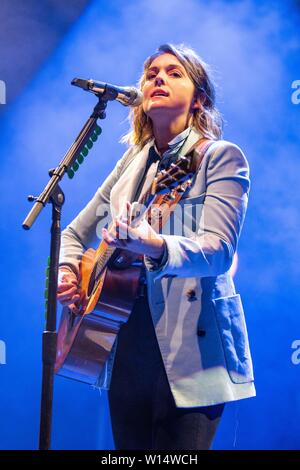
159 80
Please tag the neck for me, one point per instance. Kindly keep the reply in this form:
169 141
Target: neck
165 131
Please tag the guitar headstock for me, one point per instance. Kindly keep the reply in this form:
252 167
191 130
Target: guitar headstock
177 177
167 186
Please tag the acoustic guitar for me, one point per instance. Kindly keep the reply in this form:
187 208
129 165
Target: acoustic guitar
110 280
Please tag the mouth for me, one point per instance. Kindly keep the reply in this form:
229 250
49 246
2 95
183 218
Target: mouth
159 92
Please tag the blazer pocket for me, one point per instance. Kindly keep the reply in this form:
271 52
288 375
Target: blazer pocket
232 328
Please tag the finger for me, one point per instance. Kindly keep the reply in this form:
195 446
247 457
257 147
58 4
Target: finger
68 278
67 294
121 222
107 237
71 279
133 233
122 230
63 287
70 301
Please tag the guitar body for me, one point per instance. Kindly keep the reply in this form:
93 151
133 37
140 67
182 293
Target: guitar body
85 340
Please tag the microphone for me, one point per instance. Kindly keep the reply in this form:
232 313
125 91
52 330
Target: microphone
128 96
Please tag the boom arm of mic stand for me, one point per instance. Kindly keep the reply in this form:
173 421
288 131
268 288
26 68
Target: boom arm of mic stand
66 162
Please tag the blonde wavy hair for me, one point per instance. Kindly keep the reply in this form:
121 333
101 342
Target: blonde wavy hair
207 120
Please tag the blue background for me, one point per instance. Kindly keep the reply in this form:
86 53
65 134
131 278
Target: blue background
254 50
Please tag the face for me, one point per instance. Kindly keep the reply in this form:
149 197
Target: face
168 90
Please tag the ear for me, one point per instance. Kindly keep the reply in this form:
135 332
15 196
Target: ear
196 103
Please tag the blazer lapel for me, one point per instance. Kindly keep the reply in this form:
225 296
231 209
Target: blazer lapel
192 139
125 188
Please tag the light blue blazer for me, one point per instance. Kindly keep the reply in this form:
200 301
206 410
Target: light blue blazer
197 314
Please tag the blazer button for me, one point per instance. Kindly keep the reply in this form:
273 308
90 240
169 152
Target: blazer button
201 332
191 295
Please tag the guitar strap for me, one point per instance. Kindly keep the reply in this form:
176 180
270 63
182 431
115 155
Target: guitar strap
199 150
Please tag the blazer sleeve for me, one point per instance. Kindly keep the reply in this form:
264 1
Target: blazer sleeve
209 251
81 233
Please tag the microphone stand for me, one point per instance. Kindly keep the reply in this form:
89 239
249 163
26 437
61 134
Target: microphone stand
53 194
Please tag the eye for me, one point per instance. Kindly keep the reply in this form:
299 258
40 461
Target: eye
174 73
150 76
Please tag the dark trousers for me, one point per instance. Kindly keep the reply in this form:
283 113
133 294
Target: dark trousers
143 411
